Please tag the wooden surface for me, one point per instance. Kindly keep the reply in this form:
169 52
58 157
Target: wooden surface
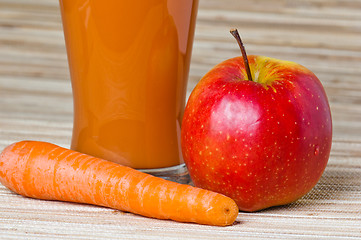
36 103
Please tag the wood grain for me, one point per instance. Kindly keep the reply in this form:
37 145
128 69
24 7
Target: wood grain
35 103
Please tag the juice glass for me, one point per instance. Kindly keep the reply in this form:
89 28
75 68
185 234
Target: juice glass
129 62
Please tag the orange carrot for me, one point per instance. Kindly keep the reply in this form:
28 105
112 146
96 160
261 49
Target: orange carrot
46 171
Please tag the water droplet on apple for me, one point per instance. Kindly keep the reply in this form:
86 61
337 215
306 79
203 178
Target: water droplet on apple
317 150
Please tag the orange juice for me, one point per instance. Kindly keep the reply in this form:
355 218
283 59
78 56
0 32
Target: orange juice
129 64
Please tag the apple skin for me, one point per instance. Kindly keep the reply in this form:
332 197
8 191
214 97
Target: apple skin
264 142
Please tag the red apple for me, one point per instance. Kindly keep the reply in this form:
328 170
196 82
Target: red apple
263 142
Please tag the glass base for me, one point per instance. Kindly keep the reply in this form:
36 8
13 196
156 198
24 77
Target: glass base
177 173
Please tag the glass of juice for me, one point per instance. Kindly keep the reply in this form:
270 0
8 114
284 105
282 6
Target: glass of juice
129 64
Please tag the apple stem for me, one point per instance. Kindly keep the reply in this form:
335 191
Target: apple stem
235 34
